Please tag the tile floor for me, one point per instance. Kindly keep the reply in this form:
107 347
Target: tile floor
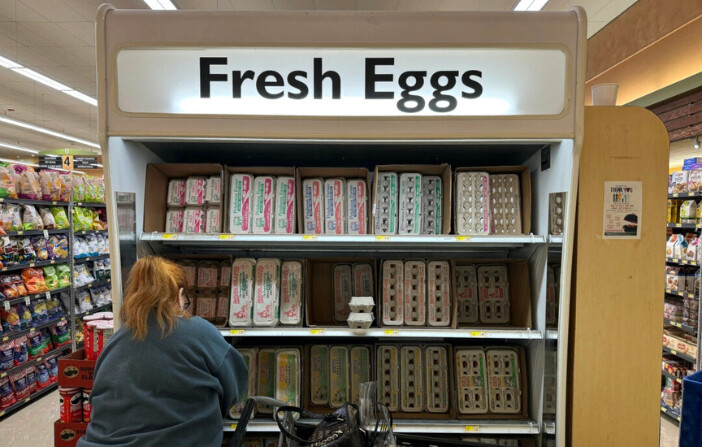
669 433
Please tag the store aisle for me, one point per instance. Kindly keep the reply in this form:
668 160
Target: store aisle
32 426
669 433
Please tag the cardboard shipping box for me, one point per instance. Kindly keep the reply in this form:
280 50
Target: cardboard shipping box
75 371
67 434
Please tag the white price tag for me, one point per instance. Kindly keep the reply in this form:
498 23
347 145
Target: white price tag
7 306
27 301
46 234
47 295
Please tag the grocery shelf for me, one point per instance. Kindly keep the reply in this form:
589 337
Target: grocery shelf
93 284
37 232
94 310
90 258
667 374
670 412
683 195
521 427
33 397
35 296
84 232
681 262
685 226
680 355
34 202
551 334
550 427
17 334
15 267
683 327
33 362
89 204
681 294
390 333
556 239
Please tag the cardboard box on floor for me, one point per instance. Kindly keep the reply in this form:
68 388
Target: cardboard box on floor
524 188
442 170
67 434
156 189
324 173
74 371
319 289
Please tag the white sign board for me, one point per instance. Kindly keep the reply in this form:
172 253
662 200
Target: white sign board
343 81
622 210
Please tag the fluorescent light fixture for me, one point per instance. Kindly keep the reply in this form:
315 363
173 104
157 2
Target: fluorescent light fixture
18 148
38 77
48 132
7 160
160 4
696 143
530 5
99 165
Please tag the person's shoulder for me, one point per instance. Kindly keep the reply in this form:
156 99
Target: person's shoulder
199 326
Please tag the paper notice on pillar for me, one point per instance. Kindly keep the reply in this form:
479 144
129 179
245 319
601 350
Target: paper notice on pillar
622 210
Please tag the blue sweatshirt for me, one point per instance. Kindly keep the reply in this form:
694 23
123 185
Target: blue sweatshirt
171 391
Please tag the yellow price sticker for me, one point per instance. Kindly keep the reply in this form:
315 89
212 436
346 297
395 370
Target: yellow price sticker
462 238
684 261
236 332
382 238
674 352
169 236
226 237
472 428
477 334
3 375
27 400
392 332
316 331
678 325
664 409
20 232
678 225
233 426
675 194
309 237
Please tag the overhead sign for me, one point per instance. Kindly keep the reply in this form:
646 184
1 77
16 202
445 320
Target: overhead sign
82 162
347 82
64 162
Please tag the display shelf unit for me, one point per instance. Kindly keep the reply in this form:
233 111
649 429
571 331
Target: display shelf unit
684 262
93 284
35 361
34 296
387 334
90 259
550 427
90 205
63 231
680 355
685 195
673 414
32 398
685 226
17 334
84 232
551 334
34 202
681 326
16 267
669 375
680 294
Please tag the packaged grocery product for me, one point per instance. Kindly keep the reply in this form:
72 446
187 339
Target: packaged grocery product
471 380
225 275
29 185
472 209
40 247
36 344
694 182
60 217
363 279
688 212
222 307
266 383
680 246
388 376
7 354
25 314
360 371
176 192
412 373
504 380
18 379
436 388
692 249
284 214
266 292
319 374
339 386
87 408
343 289
493 293
505 204
360 320
66 186
213 190
357 206
240 203
8 189
415 296
194 220
50 184
47 218
195 191
206 305
439 293
42 376
26 250
31 220
174 220
410 203
60 333
16 217
85 303
467 294
213 220
21 351
287 377
34 280
385 208
71 404
335 206
190 270
313 205
432 196
52 365
63 272
10 319
249 355
207 275
679 181
263 203
7 395
291 293
393 293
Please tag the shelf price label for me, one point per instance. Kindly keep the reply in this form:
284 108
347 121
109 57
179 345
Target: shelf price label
478 334
316 331
7 306
472 428
233 426
27 301
675 194
462 238
678 225
382 238
392 332
236 332
674 352
169 236
226 237
46 234
309 237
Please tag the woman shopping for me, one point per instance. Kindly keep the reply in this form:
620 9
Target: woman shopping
165 378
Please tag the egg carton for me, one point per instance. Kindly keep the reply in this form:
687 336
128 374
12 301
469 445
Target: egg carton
360 370
363 279
385 208
556 220
213 190
471 381
284 213
359 320
505 204
415 293
551 297
436 379
493 287
393 293
335 206
431 204
467 294
472 203
241 293
267 293
439 293
265 380
412 398
263 204
343 290
249 355
338 376
410 218
319 374
357 206
504 380
287 376
291 293
550 381
362 304
388 376
240 203
313 205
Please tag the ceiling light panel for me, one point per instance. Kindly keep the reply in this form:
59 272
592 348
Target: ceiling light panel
18 148
46 131
160 5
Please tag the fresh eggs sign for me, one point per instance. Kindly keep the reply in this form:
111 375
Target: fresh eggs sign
345 82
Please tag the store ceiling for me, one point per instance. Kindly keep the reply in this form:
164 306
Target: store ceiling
56 39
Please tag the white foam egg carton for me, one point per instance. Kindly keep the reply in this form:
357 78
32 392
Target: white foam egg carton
291 293
472 203
362 304
551 297
313 205
393 293
438 293
504 379
358 320
467 294
335 206
505 204
493 289
240 203
360 370
411 371
432 194
266 292
556 206
385 208
388 376
363 279
241 294
284 214
319 374
339 386
471 381
410 218
436 389
343 289
357 206
415 305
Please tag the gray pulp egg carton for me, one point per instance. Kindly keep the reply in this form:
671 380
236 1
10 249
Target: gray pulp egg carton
556 206
471 381
360 370
493 289
339 383
388 376
472 203
393 293
410 203
342 283
467 294
436 389
415 295
319 374
439 304
411 371
386 205
505 204
504 379
431 204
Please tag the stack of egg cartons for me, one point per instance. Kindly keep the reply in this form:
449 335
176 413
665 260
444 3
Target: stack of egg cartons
353 280
483 294
194 205
334 205
261 204
487 203
409 206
